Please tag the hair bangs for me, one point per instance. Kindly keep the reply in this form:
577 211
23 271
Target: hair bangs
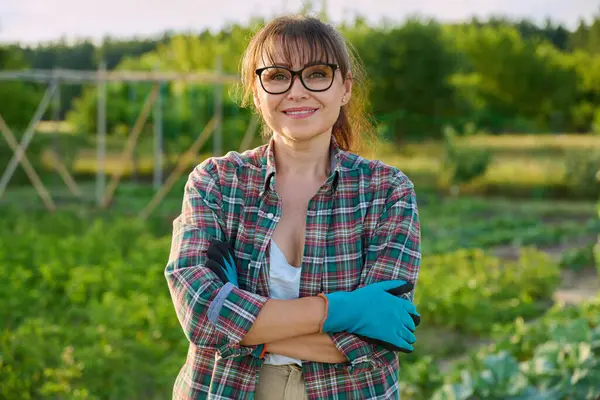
295 44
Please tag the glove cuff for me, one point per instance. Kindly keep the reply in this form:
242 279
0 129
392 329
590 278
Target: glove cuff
338 317
264 351
260 351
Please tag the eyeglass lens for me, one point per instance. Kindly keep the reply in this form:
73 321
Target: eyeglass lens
315 77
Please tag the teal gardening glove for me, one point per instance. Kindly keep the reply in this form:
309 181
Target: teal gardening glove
222 263
375 313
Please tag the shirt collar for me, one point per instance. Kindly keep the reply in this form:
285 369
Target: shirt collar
330 183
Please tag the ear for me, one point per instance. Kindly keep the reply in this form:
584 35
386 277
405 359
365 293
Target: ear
347 89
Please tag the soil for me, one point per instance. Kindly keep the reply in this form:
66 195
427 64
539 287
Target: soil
510 252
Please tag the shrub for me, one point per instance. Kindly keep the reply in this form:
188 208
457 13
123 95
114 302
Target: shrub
582 172
462 164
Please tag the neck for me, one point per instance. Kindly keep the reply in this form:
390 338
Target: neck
306 159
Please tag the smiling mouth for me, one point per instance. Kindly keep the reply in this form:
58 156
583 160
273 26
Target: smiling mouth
300 112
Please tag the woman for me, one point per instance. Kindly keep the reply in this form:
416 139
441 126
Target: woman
283 257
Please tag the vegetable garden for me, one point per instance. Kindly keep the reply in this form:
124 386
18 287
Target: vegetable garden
87 314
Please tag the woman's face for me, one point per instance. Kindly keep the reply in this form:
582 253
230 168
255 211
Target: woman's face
300 114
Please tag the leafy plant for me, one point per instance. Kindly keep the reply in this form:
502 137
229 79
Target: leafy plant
462 164
579 258
583 172
463 289
563 364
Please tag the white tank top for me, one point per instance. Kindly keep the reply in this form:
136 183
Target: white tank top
284 283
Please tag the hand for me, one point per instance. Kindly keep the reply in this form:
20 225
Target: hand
371 311
221 261
416 318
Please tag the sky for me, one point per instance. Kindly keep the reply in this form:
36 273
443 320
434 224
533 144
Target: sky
33 21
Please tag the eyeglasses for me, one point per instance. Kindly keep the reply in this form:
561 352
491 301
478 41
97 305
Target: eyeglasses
316 78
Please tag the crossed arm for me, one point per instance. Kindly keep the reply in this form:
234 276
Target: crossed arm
316 347
288 327
297 334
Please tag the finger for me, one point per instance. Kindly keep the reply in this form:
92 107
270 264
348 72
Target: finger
407 306
217 269
216 252
407 335
402 289
226 250
389 285
224 247
407 288
403 345
416 318
405 320
231 261
409 349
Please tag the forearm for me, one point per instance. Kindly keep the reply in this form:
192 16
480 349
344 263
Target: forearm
316 347
283 319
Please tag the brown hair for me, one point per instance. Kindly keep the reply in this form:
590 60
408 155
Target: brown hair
295 34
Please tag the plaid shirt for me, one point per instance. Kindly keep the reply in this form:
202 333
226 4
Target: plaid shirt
362 226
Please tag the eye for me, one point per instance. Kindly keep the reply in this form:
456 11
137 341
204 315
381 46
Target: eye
275 74
318 72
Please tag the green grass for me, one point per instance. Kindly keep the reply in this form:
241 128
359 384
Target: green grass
523 166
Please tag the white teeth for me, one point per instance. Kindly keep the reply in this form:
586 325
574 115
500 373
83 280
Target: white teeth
299 112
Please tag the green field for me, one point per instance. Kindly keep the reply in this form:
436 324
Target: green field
521 166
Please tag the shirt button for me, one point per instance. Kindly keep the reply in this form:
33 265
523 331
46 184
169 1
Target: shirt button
270 215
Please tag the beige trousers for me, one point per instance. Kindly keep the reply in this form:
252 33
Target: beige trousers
280 382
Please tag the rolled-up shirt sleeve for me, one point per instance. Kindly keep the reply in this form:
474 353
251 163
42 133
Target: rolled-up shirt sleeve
211 314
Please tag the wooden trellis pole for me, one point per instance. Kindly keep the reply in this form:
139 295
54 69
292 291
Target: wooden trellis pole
105 193
29 170
27 137
64 173
180 167
130 145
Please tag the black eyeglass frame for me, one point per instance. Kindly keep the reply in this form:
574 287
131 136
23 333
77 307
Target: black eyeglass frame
298 73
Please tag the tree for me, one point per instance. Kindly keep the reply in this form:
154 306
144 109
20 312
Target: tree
587 37
586 108
409 67
507 78
19 98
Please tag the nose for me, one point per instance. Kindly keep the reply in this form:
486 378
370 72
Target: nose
297 91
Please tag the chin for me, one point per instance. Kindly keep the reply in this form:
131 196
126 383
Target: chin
302 134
